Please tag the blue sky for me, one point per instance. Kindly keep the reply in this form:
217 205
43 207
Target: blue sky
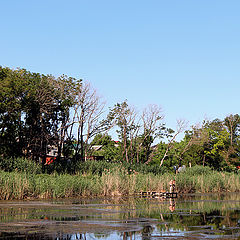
183 55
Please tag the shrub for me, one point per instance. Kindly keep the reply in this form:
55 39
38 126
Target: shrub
198 170
20 165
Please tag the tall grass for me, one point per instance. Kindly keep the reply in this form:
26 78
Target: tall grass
13 185
112 182
204 180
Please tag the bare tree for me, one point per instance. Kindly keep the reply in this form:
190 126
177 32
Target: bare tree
133 129
151 127
232 124
181 126
87 114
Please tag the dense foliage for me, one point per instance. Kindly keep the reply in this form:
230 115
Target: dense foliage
33 107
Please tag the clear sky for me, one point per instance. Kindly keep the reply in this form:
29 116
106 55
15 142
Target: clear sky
183 55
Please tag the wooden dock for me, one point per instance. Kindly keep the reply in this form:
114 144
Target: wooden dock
162 194
158 194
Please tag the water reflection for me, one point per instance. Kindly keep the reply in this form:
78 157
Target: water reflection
198 216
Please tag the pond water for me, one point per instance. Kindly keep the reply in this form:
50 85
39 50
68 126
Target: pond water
205 216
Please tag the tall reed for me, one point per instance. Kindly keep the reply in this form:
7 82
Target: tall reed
114 182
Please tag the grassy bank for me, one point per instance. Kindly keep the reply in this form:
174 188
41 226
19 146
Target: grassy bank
113 182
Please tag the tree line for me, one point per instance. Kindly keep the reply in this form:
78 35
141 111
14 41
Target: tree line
39 111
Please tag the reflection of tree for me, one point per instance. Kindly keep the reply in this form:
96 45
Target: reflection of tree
100 235
77 236
203 211
128 235
216 219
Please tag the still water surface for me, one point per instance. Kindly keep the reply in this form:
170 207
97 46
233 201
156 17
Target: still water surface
208 216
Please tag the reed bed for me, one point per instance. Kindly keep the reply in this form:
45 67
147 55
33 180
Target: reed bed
113 182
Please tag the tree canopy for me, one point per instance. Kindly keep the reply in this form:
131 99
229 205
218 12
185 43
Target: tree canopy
39 112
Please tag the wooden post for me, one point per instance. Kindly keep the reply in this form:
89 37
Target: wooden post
172 186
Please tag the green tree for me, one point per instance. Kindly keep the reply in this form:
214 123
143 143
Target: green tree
124 117
33 107
109 148
211 142
232 125
13 93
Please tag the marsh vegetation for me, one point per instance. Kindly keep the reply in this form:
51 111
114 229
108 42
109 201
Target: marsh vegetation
115 181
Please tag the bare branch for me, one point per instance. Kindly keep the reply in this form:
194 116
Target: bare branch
181 126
